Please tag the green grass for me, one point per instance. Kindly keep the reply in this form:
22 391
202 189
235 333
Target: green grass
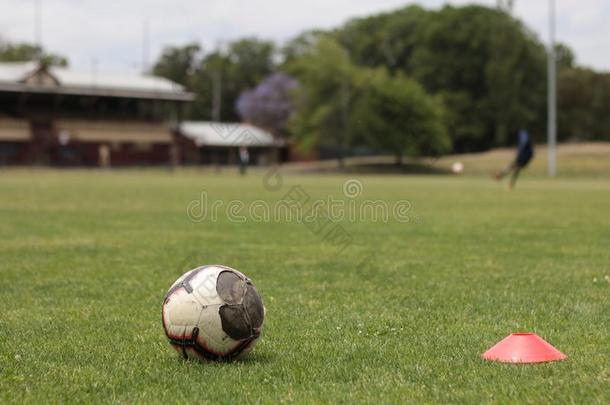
402 314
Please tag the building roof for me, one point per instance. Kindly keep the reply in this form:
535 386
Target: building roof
227 134
17 77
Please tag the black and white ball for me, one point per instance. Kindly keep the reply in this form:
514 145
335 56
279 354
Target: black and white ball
213 313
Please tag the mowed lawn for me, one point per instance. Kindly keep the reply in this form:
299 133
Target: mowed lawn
401 315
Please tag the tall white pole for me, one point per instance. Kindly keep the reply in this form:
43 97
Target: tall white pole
217 87
216 94
145 46
38 28
552 95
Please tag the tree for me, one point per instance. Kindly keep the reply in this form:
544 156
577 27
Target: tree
565 56
223 74
178 63
217 78
386 39
583 99
341 105
270 104
326 90
514 89
490 72
23 52
251 59
396 115
300 46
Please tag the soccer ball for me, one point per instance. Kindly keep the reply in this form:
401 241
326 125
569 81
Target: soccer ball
457 167
213 313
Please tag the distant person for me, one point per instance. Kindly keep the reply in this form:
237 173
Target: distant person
103 152
244 159
525 153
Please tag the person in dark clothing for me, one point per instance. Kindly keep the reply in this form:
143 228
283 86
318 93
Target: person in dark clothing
244 159
525 153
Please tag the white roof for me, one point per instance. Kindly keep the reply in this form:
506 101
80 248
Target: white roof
227 134
13 74
15 71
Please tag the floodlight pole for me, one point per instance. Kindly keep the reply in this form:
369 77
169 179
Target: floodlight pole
552 95
38 29
145 45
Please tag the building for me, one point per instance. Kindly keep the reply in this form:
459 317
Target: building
57 116
218 143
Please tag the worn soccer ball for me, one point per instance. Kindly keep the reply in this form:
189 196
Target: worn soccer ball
457 167
213 313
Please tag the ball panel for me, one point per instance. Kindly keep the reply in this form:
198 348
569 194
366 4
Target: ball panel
181 279
180 310
203 286
235 322
253 304
230 287
211 334
184 281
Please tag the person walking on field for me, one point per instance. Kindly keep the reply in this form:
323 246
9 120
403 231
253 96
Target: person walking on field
525 153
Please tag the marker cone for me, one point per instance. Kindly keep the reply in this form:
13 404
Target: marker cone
523 348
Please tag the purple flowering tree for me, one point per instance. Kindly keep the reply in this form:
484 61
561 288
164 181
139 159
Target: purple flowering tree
269 105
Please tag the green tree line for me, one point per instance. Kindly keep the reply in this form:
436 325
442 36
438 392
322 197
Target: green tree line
23 52
408 82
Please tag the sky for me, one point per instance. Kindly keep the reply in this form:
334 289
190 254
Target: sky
110 34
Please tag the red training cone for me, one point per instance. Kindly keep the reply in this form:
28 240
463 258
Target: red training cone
523 348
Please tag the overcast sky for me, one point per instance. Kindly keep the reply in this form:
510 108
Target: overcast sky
111 32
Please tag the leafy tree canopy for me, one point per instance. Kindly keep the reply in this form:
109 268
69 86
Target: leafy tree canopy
327 78
396 115
342 105
23 52
178 63
218 76
488 68
583 100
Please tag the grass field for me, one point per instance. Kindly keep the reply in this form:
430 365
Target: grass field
402 314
